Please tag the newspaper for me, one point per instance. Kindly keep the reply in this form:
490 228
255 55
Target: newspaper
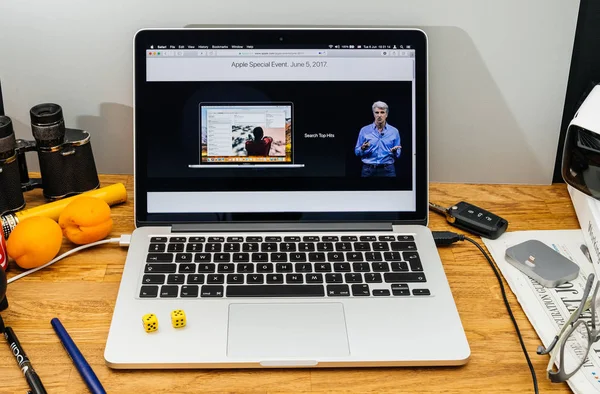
549 308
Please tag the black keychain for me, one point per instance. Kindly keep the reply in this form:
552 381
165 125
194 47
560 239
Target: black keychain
473 219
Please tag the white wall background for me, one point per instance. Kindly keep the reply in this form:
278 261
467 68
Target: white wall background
498 71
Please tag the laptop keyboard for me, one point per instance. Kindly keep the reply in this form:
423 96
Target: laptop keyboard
283 266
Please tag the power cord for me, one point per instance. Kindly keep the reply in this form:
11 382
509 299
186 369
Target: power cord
123 241
445 238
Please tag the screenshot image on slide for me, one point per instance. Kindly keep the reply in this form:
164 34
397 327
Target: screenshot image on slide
246 134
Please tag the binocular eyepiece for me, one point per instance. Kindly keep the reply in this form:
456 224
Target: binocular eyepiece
65 156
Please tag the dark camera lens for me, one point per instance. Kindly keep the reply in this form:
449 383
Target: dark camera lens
6 127
46 114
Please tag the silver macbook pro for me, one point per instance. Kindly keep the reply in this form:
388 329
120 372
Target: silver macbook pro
281 203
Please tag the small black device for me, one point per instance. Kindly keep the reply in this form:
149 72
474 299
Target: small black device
473 219
65 156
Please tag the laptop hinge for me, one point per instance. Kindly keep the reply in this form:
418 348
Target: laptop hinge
262 227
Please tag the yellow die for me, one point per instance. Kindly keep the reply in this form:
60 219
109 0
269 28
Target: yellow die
150 322
178 318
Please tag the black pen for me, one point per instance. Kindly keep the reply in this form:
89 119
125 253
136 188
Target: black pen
23 361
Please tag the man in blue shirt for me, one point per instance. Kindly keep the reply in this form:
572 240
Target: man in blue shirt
378 144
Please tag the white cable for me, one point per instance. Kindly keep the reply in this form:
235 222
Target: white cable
70 252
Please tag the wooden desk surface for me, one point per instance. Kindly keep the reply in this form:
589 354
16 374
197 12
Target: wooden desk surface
81 291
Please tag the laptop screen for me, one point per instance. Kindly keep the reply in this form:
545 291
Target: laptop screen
280 125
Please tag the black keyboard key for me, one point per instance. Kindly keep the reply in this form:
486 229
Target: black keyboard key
231 247
380 266
291 239
287 247
268 247
222 257
211 291
404 246
202 257
279 257
275 278
330 238
153 279
175 247
405 238
299 256
157 248
421 292
193 248
362 246
411 256
216 239
250 247
303 267
254 239
197 239
335 256
213 247
215 279
361 267
354 256
380 246
283 267
149 292
195 279
264 267
272 239
381 292
399 277
373 277
400 266
183 258
310 238
245 268
333 278
360 290
349 238
235 278
235 239
353 277
373 256
158 239
206 268
338 290
323 267
325 247
241 257
316 257
392 256
294 278
415 265
178 239
400 292
387 238
343 246
255 278
159 258
189 291
221 268
276 291
260 257
314 278
168 291
306 247
368 238
176 279
160 268
341 267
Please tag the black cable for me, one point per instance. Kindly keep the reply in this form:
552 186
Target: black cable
444 238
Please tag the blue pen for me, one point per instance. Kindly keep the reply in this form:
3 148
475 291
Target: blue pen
86 372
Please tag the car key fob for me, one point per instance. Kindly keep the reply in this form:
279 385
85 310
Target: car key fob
473 219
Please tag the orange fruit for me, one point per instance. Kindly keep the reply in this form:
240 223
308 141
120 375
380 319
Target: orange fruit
34 241
85 220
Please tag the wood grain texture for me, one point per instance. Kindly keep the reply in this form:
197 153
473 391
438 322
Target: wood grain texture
81 290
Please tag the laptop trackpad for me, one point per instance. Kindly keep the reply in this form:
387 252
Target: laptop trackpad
287 331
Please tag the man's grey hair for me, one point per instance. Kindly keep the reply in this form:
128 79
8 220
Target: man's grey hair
381 105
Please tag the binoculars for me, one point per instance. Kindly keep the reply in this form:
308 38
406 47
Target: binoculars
65 156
